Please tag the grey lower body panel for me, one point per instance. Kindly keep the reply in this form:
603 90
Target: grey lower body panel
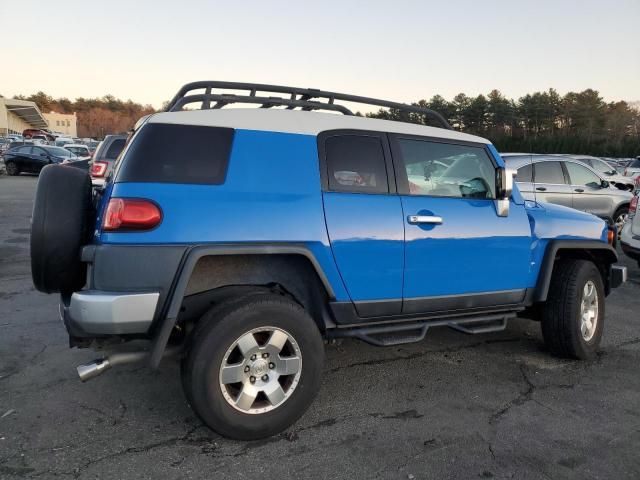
91 313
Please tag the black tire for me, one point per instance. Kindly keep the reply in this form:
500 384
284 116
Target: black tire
12 168
217 331
616 218
561 319
61 224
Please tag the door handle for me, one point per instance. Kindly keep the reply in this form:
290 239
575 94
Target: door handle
579 190
418 219
541 189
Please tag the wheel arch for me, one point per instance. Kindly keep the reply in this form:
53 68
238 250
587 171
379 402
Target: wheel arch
216 272
601 254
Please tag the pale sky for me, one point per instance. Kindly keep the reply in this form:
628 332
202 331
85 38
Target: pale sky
399 50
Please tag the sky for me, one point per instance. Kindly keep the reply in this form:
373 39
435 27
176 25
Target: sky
395 49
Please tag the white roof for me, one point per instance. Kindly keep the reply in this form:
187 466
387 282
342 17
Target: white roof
301 122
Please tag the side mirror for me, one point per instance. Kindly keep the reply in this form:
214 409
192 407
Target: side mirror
504 187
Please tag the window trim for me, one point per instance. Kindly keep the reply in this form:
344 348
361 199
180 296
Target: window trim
324 166
402 179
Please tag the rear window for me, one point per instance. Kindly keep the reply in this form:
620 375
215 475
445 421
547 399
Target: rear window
177 154
114 149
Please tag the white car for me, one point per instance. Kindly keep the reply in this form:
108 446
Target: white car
630 235
79 150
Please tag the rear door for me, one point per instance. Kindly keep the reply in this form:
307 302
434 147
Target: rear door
589 195
459 254
550 183
364 218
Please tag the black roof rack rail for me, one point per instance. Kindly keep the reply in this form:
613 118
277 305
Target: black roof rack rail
303 98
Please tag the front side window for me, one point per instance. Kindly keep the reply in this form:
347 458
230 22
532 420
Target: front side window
355 163
447 170
602 166
580 175
549 172
525 174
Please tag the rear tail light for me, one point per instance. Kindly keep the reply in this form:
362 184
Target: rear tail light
129 214
633 206
98 169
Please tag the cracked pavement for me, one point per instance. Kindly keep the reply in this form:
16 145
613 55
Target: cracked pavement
452 406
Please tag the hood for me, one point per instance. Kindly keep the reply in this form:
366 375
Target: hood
549 220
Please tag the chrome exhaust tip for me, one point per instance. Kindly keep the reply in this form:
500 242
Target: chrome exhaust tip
91 370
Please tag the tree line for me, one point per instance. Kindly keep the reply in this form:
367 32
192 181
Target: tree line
97 117
542 122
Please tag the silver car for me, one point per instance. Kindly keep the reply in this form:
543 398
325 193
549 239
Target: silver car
630 235
568 182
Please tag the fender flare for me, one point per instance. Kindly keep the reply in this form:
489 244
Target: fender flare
593 247
169 316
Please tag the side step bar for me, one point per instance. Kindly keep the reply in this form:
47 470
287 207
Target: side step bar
401 333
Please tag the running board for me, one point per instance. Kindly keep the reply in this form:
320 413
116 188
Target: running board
401 333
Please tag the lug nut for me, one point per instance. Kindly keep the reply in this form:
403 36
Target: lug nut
265 355
272 365
246 369
252 379
253 357
265 378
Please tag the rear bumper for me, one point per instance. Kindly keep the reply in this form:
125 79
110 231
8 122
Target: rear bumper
91 313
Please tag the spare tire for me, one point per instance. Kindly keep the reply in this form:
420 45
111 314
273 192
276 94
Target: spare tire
61 224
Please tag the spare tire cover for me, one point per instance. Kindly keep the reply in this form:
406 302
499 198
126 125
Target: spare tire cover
61 224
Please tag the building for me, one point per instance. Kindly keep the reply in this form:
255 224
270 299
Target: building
18 115
62 123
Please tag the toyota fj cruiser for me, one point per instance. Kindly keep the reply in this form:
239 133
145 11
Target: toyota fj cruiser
241 238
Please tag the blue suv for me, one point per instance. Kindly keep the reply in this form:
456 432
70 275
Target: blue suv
240 238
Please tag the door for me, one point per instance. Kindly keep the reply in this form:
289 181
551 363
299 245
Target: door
550 184
364 219
589 194
24 158
459 254
40 159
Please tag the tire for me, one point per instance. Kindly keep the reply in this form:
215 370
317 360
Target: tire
562 313
60 226
619 218
214 341
12 168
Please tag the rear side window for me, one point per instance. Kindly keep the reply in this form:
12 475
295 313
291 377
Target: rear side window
356 164
177 154
525 174
549 172
114 149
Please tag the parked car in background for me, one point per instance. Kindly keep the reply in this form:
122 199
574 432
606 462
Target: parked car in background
32 132
33 158
633 168
607 170
41 139
568 182
630 235
79 150
105 156
62 141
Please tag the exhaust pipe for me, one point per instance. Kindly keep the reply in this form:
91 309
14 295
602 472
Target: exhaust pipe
91 370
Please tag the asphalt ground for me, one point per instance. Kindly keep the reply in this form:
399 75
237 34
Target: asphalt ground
452 406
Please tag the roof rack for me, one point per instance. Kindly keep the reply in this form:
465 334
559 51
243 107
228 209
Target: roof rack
303 98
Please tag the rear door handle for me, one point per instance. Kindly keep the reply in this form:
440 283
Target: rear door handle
541 189
418 219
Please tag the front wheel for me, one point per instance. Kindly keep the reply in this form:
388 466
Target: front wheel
12 168
573 315
619 218
253 366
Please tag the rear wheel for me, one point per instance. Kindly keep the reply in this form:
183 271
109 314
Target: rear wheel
12 168
573 315
254 367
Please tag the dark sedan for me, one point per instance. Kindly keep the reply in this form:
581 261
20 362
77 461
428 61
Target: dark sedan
33 158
